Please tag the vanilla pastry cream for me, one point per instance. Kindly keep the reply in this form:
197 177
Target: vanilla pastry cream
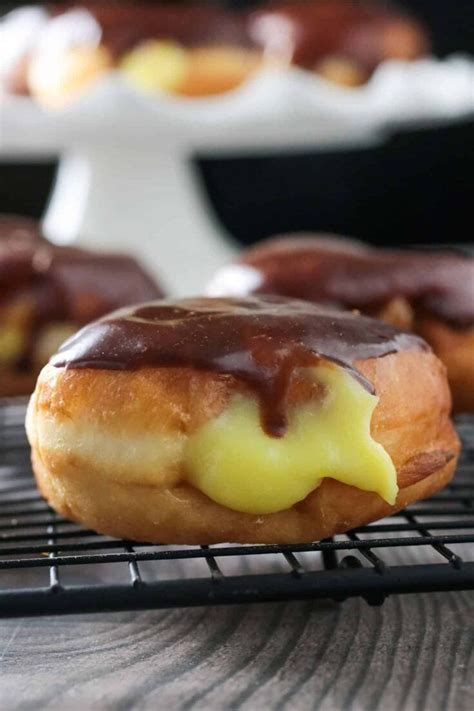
156 65
234 462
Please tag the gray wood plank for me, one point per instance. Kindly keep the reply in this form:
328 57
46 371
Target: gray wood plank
415 652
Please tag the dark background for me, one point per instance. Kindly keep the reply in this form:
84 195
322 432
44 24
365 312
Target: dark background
416 188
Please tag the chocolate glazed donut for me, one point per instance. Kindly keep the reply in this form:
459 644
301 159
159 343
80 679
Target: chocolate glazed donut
431 293
259 419
48 292
343 40
196 49
192 49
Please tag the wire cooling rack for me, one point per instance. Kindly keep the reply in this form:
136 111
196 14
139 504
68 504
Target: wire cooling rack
49 565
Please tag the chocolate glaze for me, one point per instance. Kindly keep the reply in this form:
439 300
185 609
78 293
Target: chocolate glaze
260 341
63 284
126 24
347 274
15 229
360 30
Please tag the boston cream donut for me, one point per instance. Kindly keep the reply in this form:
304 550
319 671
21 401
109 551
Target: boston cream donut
192 49
342 40
57 52
48 292
431 293
254 420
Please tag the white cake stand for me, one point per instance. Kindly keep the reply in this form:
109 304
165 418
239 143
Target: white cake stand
125 181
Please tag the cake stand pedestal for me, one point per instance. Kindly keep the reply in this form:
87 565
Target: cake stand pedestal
143 202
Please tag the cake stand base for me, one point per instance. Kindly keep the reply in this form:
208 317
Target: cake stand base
147 203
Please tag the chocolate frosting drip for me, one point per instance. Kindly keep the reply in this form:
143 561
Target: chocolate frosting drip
347 274
63 284
260 341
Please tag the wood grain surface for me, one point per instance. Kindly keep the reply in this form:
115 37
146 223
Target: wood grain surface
416 652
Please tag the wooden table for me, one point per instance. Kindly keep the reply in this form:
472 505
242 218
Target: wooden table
415 652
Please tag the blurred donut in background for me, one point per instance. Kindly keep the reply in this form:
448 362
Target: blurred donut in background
57 52
48 292
193 49
430 293
342 40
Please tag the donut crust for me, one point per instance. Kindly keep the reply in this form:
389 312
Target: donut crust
455 347
137 502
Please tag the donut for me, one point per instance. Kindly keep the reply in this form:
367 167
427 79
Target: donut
192 49
48 292
263 419
430 293
56 53
342 40
161 65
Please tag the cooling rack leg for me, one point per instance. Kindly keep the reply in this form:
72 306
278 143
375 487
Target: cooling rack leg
330 559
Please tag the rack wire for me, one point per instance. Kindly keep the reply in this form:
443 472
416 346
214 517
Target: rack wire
49 565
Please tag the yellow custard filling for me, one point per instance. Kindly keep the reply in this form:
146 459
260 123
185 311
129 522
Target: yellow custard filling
156 65
234 462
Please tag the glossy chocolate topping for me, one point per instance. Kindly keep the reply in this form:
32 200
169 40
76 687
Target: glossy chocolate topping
15 230
350 275
63 284
260 341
